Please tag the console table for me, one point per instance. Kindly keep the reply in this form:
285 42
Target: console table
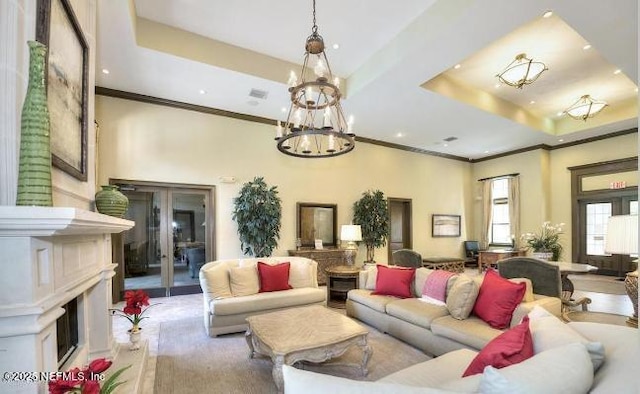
487 258
326 258
342 278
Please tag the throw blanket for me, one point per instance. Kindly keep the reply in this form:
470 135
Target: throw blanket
435 287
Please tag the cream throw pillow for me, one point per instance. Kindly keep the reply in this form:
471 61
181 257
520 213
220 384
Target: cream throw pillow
300 274
462 296
244 281
562 370
528 293
372 275
217 281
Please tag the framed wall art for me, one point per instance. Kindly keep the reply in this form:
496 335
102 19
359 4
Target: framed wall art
445 225
67 89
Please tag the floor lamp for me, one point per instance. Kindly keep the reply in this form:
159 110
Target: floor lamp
622 238
352 234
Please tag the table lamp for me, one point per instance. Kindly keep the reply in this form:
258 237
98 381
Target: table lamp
351 233
622 238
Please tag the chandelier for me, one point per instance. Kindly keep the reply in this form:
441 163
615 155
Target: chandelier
585 107
522 71
316 126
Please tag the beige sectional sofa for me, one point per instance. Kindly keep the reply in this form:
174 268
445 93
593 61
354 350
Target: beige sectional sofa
430 328
230 291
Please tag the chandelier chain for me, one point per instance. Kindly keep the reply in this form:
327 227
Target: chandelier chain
314 29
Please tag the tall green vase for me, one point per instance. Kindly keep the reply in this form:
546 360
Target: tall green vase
34 176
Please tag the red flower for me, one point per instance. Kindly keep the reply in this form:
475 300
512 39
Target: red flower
132 310
61 386
99 365
91 387
136 298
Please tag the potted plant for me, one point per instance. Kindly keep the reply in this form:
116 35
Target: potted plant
257 211
372 214
546 243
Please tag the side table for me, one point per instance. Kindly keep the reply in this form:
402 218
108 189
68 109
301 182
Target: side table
340 279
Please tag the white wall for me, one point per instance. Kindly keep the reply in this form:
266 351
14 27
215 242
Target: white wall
154 143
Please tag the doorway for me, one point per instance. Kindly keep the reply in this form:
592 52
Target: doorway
173 237
400 236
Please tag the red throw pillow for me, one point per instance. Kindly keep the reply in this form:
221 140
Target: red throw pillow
273 277
497 299
394 281
510 347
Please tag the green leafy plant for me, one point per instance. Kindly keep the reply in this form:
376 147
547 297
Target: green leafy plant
547 240
372 214
257 211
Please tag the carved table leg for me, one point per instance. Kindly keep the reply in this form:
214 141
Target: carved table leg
248 336
367 351
276 372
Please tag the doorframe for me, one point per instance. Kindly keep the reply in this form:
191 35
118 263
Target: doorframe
410 225
577 194
117 246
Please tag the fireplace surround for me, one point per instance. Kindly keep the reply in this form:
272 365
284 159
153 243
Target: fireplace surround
48 257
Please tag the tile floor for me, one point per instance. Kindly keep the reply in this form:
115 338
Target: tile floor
187 306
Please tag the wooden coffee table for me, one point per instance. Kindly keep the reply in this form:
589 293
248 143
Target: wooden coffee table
312 333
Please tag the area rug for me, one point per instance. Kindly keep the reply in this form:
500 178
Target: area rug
598 284
189 361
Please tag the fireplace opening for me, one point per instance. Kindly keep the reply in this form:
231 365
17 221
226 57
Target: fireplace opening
67 331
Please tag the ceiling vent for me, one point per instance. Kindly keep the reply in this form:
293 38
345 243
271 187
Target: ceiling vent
450 139
259 94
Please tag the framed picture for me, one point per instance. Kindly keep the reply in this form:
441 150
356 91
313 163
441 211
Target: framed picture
67 91
445 225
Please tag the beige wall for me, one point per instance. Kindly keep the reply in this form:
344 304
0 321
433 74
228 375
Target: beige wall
155 143
545 180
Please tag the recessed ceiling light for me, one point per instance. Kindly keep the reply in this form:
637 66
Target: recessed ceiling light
588 46
105 71
399 135
486 151
532 102
636 90
618 71
336 46
547 14
560 113
445 145
283 109
457 66
560 140
496 86
202 91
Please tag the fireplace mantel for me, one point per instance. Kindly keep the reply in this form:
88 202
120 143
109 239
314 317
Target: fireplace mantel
48 256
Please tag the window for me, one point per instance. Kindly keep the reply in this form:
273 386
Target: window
597 217
500 231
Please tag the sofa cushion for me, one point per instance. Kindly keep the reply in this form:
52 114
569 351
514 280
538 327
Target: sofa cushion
549 332
265 301
561 370
394 281
244 281
472 332
217 281
416 311
462 297
273 277
306 382
510 347
497 299
302 274
367 298
439 372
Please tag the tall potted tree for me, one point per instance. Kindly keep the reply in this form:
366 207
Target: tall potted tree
372 214
257 211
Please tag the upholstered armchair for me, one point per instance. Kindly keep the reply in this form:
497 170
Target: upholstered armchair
407 258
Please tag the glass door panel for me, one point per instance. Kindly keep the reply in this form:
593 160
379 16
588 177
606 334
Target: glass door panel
188 226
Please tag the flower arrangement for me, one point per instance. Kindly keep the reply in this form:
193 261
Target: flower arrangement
547 240
135 301
87 380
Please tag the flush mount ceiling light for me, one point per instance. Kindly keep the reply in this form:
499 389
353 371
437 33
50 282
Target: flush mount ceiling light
522 71
315 126
585 107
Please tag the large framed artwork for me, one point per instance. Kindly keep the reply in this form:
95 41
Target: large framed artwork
445 225
67 90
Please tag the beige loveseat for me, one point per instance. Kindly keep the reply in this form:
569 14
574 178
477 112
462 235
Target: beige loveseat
560 370
230 291
431 328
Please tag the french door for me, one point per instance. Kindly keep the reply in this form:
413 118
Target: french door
172 238
399 225
594 214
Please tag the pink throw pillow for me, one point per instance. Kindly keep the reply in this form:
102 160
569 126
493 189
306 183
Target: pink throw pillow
273 277
497 299
510 347
394 281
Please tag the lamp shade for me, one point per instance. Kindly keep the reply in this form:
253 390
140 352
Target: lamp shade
351 232
622 235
